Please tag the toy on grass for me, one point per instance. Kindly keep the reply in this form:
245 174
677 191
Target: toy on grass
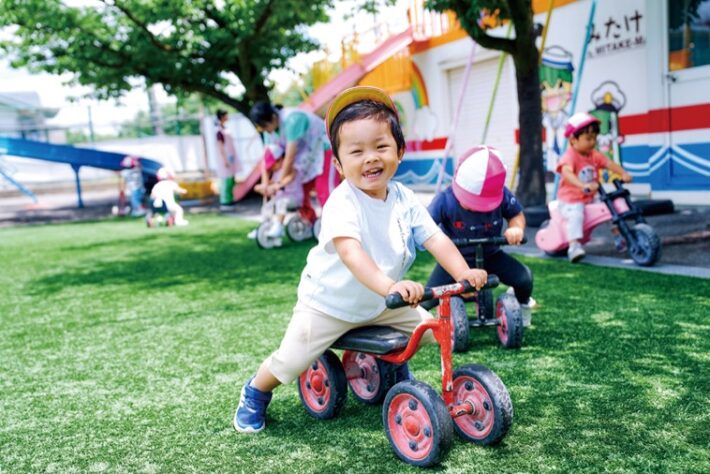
292 201
503 313
165 210
644 245
419 423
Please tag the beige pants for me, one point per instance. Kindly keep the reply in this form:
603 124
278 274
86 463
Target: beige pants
573 214
311 332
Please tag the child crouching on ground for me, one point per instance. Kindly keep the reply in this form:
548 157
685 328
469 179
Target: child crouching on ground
579 168
163 194
474 207
371 227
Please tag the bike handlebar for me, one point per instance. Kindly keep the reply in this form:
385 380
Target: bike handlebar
394 300
498 240
618 184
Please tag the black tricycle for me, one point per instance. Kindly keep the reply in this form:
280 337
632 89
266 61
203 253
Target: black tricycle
503 312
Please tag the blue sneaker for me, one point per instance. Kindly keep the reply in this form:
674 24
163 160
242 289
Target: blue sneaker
251 412
401 373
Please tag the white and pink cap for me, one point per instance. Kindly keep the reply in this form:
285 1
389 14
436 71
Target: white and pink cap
164 173
130 162
479 179
577 122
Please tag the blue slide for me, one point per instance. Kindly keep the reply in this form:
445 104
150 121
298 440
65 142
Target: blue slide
73 156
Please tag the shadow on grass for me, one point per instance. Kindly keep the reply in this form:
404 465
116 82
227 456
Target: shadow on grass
158 261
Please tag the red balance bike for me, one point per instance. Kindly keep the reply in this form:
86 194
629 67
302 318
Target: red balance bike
418 422
504 313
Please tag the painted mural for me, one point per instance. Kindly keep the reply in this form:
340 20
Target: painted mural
650 93
423 159
556 75
608 100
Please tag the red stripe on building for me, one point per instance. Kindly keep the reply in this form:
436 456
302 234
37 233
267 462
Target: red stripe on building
424 145
688 117
675 119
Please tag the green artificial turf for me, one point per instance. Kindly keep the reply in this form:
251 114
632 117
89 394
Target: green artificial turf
123 349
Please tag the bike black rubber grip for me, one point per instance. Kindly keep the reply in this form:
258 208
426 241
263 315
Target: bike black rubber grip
395 300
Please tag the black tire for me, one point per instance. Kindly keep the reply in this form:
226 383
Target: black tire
644 245
299 229
369 378
510 321
493 409
559 253
486 307
262 239
459 323
417 423
323 388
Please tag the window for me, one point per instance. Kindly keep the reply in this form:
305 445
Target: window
688 33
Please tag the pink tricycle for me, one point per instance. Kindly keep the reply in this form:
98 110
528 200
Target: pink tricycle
643 244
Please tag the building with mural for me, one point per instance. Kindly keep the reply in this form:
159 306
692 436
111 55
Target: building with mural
646 76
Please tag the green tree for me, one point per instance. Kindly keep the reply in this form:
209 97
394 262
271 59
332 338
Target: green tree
179 118
76 136
522 48
188 46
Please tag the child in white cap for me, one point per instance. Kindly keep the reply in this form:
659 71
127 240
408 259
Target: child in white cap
579 169
163 194
475 206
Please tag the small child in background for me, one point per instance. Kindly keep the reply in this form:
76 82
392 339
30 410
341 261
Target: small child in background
132 184
280 197
579 168
371 229
474 207
163 194
227 164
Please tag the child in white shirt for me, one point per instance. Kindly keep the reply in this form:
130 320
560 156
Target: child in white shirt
371 227
163 193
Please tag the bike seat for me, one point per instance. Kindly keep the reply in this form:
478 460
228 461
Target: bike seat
373 339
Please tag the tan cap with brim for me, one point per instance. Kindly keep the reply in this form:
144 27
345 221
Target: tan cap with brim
356 94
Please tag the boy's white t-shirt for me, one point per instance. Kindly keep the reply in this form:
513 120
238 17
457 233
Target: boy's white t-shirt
164 192
389 232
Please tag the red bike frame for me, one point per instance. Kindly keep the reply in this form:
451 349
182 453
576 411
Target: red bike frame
441 327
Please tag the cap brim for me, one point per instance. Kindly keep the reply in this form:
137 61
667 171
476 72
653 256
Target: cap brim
585 123
356 94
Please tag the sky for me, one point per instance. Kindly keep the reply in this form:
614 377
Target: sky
105 115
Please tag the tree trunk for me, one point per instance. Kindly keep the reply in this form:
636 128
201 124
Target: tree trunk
531 185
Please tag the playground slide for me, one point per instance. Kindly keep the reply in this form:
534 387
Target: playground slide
347 78
73 156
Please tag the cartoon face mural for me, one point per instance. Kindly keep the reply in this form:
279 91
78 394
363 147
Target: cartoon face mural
556 73
608 100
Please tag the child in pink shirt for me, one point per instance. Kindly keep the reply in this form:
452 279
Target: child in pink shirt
579 168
